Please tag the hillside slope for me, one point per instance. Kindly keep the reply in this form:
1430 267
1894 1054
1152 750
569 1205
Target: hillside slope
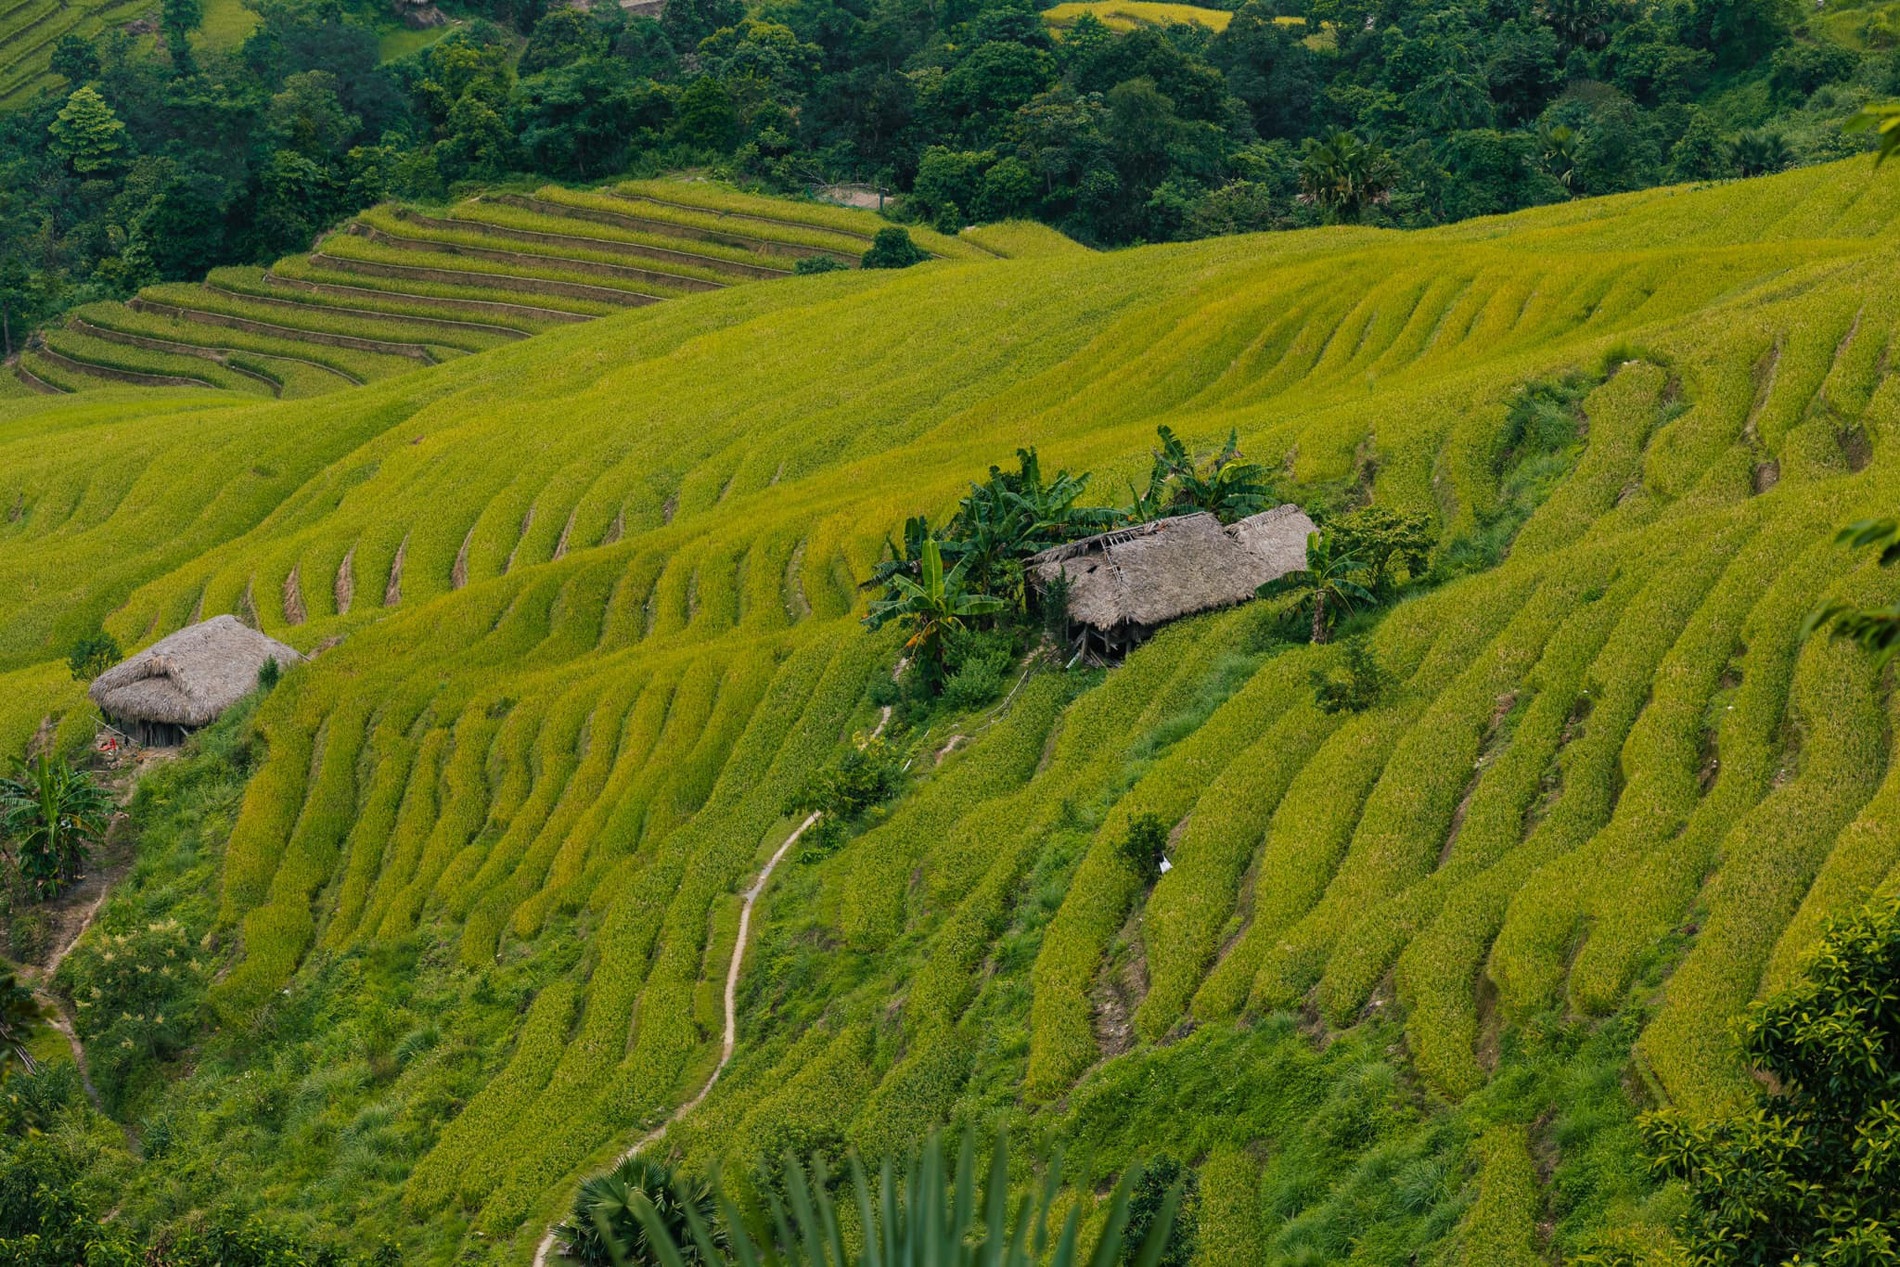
595 596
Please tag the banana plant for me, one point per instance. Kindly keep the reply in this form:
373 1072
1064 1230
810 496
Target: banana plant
1326 585
931 605
50 816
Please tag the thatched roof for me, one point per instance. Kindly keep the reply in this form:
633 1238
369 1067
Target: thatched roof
191 677
1156 572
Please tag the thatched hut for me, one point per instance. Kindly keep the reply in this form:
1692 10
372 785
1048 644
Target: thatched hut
1123 584
185 681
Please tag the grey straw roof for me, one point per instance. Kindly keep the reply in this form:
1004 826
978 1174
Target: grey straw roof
191 677
1160 571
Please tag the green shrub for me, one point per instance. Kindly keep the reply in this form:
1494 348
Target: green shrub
862 776
1143 847
1352 685
1806 1173
811 265
93 655
892 249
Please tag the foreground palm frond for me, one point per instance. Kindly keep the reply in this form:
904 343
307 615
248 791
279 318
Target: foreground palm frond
928 1217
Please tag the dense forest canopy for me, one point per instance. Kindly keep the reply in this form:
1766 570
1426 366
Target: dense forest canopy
145 165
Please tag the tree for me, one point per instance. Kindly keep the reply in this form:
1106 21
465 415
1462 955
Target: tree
1014 514
308 118
86 134
93 655
1810 1173
1385 540
930 606
1353 685
1144 845
75 59
51 815
1699 154
562 37
603 1219
1345 176
892 248
1760 152
179 18
1326 585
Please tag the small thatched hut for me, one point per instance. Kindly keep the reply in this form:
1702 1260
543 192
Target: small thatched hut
186 681
1123 584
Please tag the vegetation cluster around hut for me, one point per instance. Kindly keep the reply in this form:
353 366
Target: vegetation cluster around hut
442 922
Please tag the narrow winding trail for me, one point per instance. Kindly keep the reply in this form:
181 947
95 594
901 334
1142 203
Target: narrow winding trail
731 1037
40 979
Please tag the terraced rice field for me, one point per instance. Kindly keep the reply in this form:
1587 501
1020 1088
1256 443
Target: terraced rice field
1126 15
595 596
403 287
30 28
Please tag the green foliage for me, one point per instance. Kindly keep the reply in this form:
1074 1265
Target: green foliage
933 606
137 995
1164 1181
269 674
1384 541
93 655
51 816
1143 847
864 775
19 1013
604 1230
1539 444
1806 1174
1352 684
979 665
892 249
1877 629
931 1213
1346 176
1326 586
86 133
1228 487
811 265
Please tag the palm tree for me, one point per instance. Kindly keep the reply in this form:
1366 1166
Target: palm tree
932 605
1345 175
930 1215
1326 585
604 1221
1760 152
51 814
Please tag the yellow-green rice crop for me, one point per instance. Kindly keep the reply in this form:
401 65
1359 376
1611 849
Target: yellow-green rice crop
588 606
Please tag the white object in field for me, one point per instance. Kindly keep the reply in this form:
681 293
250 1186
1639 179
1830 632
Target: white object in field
1166 866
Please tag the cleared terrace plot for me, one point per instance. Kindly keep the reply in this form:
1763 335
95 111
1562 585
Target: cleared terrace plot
402 287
